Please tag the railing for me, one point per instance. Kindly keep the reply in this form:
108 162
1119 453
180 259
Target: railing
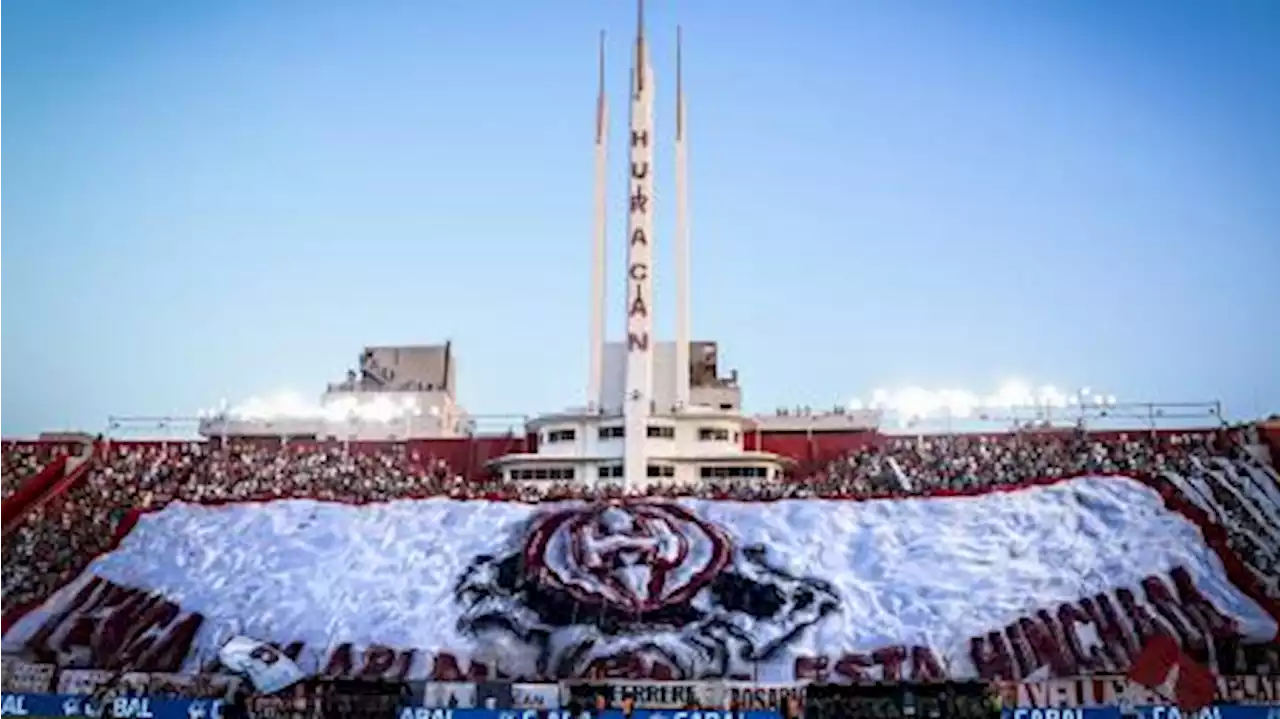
1069 692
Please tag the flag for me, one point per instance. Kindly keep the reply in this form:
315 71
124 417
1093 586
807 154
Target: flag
1196 686
1163 668
267 667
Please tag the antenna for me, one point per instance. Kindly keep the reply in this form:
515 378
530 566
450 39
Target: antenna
682 236
600 101
640 45
679 83
599 237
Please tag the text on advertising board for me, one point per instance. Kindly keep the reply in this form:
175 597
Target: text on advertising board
1147 712
53 705
421 713
1076 692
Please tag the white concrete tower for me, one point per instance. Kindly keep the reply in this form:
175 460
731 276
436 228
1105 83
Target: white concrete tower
682 238
595 398
640 343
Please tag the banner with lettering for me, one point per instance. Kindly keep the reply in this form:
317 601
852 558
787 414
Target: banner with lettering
535 696
555 587
425 713
88 681
1101 691
749 695
449 695
56 705
1216 712
22 676
1147 712
743 696
648 695
190 686
63 705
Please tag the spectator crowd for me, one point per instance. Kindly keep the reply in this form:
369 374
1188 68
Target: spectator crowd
55 540
21 461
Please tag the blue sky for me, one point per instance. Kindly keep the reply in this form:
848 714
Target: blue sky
223 199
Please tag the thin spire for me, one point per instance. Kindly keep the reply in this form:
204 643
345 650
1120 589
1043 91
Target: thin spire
599 239
679 84
640 64
600 101
682 398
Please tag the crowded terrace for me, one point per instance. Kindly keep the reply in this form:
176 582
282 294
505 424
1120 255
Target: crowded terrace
23 461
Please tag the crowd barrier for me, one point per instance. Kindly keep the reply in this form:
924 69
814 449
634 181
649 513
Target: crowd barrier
1155 712
62 705
1103 691
31 678
41 690
421 713
1069 693
72 705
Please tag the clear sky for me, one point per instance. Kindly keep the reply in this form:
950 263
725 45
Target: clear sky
226 198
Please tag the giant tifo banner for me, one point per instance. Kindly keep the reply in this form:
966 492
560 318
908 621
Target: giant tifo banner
1058 580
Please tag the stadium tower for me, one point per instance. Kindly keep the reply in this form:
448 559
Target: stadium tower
655 411
648 418
639 405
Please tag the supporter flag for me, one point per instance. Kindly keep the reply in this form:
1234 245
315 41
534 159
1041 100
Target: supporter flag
1164 669
267 667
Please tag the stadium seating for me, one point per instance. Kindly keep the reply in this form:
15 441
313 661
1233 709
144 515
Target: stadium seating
23 461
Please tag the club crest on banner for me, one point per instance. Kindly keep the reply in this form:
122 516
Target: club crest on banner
596 586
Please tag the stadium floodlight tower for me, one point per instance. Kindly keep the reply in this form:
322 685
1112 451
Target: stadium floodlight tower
656 412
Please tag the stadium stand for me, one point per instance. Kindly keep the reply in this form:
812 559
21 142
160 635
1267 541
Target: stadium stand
24 461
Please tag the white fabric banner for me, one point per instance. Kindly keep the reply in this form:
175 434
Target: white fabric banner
267 667
773 591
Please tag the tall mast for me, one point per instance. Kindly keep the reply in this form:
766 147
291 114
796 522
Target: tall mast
640 344
682 237
595 400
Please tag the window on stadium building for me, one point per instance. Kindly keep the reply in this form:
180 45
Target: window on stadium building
655 431
734 472
613 432
610 471
561 435
661 471
713 434
543 473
